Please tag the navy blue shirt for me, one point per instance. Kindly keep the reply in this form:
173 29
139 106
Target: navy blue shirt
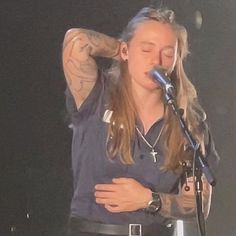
91 165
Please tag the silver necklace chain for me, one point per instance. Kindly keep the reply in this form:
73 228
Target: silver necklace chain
153 153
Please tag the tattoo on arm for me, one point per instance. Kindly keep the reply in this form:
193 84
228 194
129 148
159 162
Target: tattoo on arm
173 206
183 205
103 45
100 44
79 49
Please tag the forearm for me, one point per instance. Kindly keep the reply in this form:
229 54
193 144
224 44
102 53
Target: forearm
95 43
173 207
183 205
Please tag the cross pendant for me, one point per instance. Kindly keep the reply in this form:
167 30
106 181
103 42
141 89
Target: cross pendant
153 153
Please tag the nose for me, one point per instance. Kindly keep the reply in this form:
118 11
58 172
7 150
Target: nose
156 59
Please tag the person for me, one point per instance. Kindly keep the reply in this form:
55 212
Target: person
128 149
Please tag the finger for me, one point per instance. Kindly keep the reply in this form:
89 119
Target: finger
106 201
121 180
105 187
113 209
102 194
188 203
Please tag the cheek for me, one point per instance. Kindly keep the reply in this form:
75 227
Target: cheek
135 69
169 63
136 63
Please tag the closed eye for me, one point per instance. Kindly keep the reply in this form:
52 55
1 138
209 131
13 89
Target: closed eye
169 52
146 50
169 55
147 47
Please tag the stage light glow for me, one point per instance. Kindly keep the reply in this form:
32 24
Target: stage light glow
198 20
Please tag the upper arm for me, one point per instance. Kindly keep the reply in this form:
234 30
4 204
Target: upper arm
80 68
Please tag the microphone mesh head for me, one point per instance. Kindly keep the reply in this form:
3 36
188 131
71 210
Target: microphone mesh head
161 70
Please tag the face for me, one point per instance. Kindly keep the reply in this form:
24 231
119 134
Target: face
153 44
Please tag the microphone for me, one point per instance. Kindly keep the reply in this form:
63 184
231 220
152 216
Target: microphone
159 75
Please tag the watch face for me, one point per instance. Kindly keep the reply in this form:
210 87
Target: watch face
155 204
152 208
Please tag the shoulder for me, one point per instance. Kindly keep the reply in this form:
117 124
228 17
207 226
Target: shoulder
95 101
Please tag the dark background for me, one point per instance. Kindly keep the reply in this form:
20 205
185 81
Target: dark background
35 174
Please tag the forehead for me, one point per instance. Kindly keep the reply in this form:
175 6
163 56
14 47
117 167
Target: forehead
155 32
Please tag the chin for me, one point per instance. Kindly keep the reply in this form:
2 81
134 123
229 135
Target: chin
153 88
154 85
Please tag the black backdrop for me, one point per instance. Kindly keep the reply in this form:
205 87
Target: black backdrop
35 175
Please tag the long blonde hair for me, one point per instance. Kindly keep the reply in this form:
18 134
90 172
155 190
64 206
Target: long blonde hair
122 125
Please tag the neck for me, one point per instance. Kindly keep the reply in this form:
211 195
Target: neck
150 107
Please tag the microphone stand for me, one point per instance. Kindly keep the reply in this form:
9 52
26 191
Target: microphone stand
199 163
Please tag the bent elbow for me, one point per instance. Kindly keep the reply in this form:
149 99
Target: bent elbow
71 35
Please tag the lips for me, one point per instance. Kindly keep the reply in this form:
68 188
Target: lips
147 74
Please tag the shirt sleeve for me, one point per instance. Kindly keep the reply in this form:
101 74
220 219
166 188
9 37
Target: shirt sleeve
90 105
212 156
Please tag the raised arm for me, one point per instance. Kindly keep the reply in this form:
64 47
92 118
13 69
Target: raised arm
80 46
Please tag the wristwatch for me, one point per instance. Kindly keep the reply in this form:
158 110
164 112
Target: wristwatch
155 204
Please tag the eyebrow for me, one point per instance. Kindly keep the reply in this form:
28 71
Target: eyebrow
153 44
147 43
